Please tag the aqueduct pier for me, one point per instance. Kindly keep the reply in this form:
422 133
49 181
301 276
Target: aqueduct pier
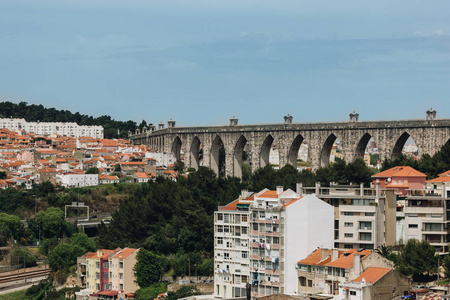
430 134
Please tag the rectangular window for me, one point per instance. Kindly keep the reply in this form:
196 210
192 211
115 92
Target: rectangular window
219 241
121 264
98 286
369 214
97 275
120 275
244 254
97 264
244 218
226 255
105 275
276 240
365 225
244 230
432 227
105 265
353 293
365 236
347 213
219 217
348 224
348 235
413 226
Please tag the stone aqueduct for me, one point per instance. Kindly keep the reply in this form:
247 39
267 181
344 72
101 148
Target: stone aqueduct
430 135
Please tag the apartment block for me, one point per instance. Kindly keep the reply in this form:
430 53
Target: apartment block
323 270
107 272
231 248
282 227
49 128
363 217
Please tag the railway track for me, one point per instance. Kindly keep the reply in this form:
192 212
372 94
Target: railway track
22 276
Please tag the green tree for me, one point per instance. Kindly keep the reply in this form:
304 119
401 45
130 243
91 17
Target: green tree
93 170
117 168
183 292
10 227
151 292
51 223
147 268
82 240
23 256
446 265
417 258
63 256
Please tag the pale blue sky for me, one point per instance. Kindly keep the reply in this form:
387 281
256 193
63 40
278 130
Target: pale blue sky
201 62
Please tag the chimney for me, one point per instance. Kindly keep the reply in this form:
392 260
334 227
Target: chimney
324 252
334 254
300 188
161 125
356 265
244 194
279 190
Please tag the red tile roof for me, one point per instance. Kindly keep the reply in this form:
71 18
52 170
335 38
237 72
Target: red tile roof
399 171
372 274
345 260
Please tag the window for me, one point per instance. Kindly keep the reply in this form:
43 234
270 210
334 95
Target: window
348 224
413 226
120 275
121 264
97 264
220 228
432 227
255 226
244 230
219 241
244 218
244 254
302 281
105 265
228 244
309 283
121 286
226 255
97 275
348 235
353 293
369 214
365 225
98 286
276 240
347 213
105 275
365 236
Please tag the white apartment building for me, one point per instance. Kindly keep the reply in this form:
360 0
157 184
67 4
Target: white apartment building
281 228
77 180
363 217
231 248
49 128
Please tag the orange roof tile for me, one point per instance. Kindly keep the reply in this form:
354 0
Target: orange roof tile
440 179
345 260
372 274
125 253
399 171
446 173
269 194
231 206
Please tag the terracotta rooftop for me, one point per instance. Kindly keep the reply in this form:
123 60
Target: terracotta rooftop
372 274
399 171
345 260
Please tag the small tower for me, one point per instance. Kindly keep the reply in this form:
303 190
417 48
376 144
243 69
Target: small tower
431 114
161 125
170 123
234 121
354 117
288 119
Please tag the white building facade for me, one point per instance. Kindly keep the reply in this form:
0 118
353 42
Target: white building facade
49 128
77 180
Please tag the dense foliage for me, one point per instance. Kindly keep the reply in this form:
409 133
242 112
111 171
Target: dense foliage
430 165
147 268
151 292
416 259
34 113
